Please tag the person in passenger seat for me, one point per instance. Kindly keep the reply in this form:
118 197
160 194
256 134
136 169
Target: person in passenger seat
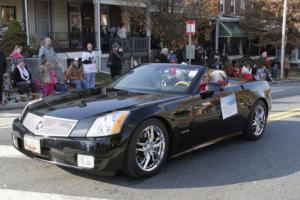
218 76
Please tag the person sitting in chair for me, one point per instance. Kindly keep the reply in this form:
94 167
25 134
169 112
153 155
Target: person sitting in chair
23 79
75 74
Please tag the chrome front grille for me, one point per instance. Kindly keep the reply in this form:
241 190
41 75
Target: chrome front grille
48 126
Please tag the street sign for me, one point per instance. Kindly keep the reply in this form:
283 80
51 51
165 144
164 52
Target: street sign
190 27
190 30
190 51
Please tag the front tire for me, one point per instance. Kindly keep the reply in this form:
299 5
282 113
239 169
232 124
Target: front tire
147 149
257 121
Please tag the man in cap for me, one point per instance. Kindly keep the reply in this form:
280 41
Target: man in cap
75 74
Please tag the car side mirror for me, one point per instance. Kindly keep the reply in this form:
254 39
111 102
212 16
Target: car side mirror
211 88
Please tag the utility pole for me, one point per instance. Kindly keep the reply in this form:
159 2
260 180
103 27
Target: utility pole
217 33
190 44
26 21
283 39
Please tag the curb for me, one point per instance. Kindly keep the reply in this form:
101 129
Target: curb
15 106
283 82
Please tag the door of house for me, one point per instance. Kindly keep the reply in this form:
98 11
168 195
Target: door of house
88 23
43 11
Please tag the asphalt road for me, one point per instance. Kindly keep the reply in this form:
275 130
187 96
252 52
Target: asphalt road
234 169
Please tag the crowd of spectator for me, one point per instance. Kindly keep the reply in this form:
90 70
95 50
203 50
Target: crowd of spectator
262 69
80 74
54 78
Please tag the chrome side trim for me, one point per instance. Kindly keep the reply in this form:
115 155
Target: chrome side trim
209 143
61 119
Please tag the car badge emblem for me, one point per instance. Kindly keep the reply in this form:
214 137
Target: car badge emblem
39 125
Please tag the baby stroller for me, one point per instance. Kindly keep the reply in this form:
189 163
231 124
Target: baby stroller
8 90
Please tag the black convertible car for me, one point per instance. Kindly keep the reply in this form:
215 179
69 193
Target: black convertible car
149 114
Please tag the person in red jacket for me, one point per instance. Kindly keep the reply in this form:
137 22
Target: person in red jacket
233 70
266 60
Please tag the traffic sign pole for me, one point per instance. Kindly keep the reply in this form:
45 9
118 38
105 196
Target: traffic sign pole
190 30
190 43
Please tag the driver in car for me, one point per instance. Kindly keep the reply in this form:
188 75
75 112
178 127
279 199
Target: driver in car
204 82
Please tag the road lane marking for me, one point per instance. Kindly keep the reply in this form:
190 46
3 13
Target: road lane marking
274 91
25 195
284 116
284 113
10 152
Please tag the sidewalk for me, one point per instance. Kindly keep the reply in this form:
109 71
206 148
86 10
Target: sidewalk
11 105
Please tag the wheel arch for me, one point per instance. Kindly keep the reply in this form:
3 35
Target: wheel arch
168 127
265 102
169 132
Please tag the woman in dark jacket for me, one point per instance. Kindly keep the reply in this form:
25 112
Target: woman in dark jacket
115 61
23 78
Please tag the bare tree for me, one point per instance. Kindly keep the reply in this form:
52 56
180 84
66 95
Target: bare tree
168 17
263 21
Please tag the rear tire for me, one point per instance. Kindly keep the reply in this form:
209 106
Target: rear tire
256 123
147 149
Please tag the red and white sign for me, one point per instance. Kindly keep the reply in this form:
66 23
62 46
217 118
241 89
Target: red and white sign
190 27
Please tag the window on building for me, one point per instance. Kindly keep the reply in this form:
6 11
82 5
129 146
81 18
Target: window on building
75 18
232 6
222 6
243 6
8 14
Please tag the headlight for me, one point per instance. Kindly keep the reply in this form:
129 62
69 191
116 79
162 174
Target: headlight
109 124
28 104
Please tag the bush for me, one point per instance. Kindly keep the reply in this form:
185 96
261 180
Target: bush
12 37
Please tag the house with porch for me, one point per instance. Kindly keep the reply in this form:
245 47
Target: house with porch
74 23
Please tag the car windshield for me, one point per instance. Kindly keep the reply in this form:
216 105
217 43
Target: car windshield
158 78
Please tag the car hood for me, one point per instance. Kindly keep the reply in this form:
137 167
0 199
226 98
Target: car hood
94 102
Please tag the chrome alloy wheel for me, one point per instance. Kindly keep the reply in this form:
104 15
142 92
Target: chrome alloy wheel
259 120
150 148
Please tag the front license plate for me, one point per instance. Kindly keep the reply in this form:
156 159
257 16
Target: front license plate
32 144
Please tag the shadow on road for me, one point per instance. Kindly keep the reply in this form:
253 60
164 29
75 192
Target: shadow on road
233 161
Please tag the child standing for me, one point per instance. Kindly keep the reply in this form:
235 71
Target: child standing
172 57
49 77
15 55
17 52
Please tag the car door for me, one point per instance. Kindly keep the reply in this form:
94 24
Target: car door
236 122
207 118
208 123
181 112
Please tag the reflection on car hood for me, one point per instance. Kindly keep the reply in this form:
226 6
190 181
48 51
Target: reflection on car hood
88 103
